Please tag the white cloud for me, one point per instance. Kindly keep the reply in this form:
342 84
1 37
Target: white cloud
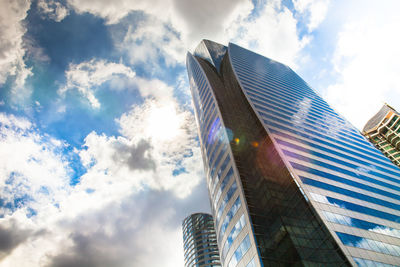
170 27
367 62
153 88
31 166
167 33
139 184
157 137
87 76
16 123
135 169
114 11
123 172
129 232
34 179
207 17
272 32
135 201
52 9
150 40
313 10
123 235
12 51
155 153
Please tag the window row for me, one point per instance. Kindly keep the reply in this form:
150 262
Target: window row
294 118
237 228
353 222
364 262
228 218
239 252
350 193
225 201
344 153
332 145
313 134
341 179
369 244
355 207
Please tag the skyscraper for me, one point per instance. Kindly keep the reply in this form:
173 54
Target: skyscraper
383 130
200 241
291 182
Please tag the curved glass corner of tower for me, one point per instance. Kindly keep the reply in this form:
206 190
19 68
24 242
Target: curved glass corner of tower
212 52
233 230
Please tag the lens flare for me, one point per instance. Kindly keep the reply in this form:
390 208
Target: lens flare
254 144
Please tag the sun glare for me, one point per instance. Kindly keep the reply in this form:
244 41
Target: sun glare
164 123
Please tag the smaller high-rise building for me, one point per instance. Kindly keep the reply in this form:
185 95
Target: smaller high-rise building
383 130
200 241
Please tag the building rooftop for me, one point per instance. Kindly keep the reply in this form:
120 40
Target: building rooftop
376 120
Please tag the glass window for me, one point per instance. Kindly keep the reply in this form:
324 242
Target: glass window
240 251
354 207
232 235
230 214
364 262
383 168
225 201
312 121
346 172
349 193
365 225
315 136
369 244
215 127
218 160
221 188
219 174
252 263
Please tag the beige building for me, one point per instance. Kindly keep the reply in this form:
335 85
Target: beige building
383 130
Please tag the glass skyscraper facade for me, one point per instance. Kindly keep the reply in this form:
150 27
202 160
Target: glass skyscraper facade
291 182
200 241
383 130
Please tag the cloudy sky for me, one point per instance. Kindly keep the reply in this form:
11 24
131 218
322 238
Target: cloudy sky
99 158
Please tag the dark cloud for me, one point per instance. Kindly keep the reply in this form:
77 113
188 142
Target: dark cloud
139 231
10 238
207 17
137 157
87 252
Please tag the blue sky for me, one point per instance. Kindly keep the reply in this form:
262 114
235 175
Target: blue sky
99 158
